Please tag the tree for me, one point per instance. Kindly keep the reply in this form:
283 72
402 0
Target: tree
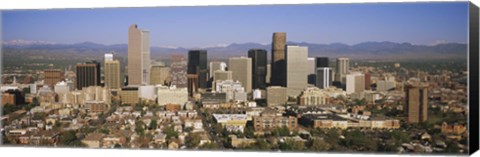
292 145
153 125
67 138
192 140
139 128
319 145
282 131
170 132
209 145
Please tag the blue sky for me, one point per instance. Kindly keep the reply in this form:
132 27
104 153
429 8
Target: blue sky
416 23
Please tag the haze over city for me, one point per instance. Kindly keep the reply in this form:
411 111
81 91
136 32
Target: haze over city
190 27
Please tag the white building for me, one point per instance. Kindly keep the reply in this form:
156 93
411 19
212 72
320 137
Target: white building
171 95
62 87
257 94
229 87
147 92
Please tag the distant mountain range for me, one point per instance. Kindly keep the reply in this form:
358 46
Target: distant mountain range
365 50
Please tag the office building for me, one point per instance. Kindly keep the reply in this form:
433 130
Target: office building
297 70
197 70
52 76
147 93
313 96
129 95
269 74
416 96
160 75
108 57
324 77
368 81
355 83
270 119
241 68
138 56
321 62
216 66
171 95
311 76
88 74
276 95
278 73
113 79
343 65
62 87
229 87
259 67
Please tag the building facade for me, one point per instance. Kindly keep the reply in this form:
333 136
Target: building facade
88 74
197 70
297 69
259 68
416 96
241 68
278 73
343 66
113 79
138 56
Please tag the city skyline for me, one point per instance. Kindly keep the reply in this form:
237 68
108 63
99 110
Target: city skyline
372 22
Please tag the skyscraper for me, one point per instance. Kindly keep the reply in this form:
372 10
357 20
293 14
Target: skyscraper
88 74
416 96
297 70
259 67
321 62
311 77
355 83
324 77
197 70
241 68
52 77
113 78
159 74
279 42
343 65
138 56
216 65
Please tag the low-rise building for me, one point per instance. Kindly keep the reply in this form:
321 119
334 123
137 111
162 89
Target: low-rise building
232 122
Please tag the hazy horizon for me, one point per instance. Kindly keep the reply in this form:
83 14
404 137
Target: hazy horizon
208 26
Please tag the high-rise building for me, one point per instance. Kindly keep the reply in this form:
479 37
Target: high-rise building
88 74
276 95
355 83
416 96
222 75
52 77
241 68
216 65
113 79
160 75
321 62
278 75
138 56
297 70
108 57
368 81
259 67
343 65
311 77
324 77
197 70
269 74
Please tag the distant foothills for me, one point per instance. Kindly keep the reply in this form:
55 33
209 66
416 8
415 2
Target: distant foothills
365 50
